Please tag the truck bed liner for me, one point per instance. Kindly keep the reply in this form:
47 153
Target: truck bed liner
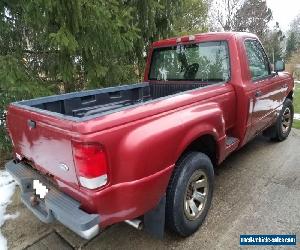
102 101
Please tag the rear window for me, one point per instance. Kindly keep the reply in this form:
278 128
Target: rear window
206 61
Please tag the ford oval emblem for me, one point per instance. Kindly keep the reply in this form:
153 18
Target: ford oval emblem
63 167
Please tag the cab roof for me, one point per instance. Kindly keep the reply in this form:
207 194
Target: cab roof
211 36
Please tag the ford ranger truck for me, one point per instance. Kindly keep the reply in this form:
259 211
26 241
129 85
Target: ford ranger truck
145 153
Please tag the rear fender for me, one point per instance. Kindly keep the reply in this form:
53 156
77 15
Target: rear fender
197 121
207 119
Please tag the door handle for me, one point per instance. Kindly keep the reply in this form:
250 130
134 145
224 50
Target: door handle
258 93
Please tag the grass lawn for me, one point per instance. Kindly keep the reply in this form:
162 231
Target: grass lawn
296 123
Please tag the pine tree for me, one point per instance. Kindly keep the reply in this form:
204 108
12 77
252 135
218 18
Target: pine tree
51 46
273 43
291 45
48 45
192 17
154 21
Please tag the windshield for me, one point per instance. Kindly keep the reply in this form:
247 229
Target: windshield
206 61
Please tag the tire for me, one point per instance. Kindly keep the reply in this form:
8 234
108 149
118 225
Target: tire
186 189
282 128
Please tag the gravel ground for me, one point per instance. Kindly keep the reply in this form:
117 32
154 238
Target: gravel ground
257 191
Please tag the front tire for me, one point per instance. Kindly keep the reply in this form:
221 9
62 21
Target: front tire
189 193
282 128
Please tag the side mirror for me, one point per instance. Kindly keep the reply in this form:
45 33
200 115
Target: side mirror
279 66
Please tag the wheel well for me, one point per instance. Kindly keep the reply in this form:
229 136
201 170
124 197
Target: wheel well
290 95
205 144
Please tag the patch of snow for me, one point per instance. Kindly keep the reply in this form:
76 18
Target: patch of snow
7 188
297 116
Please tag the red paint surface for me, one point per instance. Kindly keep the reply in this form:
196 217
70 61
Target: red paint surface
143 143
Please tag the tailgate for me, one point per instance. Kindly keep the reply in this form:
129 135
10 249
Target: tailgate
44 143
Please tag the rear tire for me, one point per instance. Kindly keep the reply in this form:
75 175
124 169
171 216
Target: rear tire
282 128
189 193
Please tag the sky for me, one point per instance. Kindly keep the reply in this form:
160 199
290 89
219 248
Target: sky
284 11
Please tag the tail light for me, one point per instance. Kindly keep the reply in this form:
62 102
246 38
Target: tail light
91 164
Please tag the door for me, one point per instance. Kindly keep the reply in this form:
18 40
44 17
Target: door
265 88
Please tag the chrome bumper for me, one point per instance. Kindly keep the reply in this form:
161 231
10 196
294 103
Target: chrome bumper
56 204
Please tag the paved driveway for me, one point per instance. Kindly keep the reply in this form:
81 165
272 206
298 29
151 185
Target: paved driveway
257 190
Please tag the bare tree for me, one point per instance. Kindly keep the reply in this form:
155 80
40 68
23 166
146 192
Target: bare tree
222 14
295 25
253 16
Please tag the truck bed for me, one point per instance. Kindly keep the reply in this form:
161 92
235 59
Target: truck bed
84 104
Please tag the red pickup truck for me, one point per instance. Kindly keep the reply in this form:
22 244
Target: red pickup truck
145 153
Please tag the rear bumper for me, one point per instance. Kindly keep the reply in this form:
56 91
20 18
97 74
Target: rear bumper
56 204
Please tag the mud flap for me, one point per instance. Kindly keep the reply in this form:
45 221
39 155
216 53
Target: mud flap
270 132
154 220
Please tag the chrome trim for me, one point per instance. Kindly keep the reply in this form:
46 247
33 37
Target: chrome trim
90 233
137 224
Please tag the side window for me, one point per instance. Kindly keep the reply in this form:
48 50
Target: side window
258 61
